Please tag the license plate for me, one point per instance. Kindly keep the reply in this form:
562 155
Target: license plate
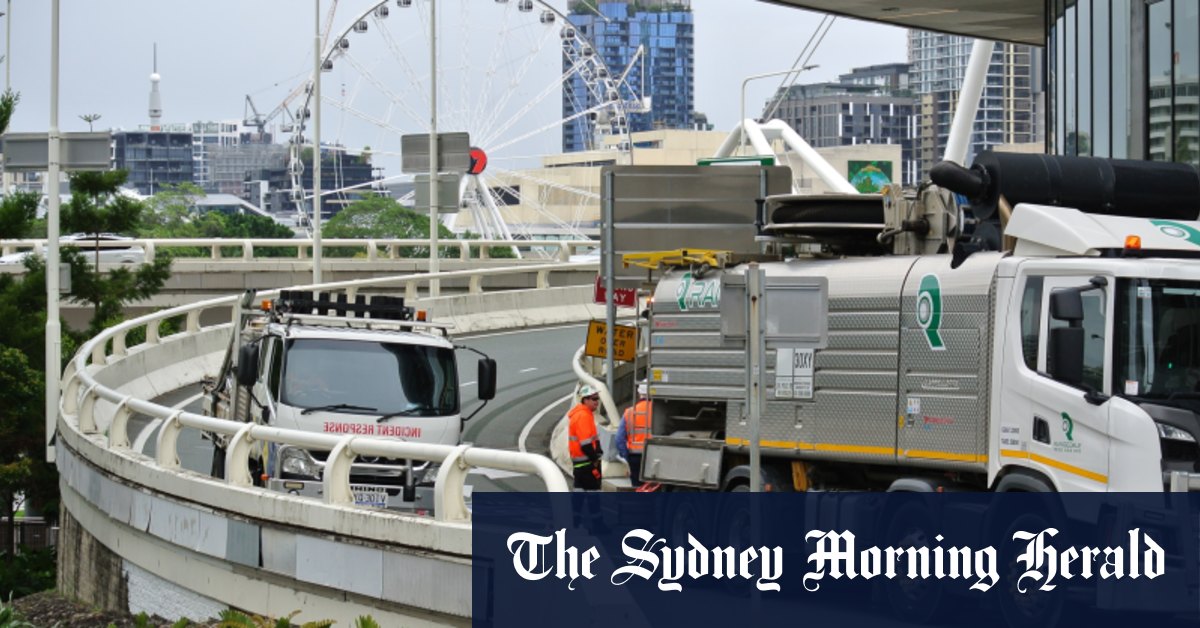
370 496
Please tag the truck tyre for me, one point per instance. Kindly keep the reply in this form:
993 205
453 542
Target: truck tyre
913 600
218 462
1040 608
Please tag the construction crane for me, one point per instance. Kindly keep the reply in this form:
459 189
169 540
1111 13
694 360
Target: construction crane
250 113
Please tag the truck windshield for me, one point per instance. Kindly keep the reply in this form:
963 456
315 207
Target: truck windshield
374 377
1157 352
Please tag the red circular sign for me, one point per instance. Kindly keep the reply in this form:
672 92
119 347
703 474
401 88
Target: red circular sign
478 160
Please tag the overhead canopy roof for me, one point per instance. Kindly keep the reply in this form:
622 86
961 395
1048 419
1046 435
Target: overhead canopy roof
1018 21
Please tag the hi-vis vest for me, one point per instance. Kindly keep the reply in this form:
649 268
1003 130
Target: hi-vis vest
582 431
637 426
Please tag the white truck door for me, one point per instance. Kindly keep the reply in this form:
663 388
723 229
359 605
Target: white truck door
1049 425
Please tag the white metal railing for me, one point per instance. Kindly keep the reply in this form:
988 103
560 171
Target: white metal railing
81 392
370 249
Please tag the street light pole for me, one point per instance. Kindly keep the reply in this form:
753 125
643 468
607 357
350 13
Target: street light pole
434 284
53 327
316 100
8 47
742 119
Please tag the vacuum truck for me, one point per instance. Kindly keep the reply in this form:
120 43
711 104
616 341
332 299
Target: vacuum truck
1031 323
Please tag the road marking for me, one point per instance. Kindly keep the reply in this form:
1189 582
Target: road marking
465 384
532 368
139 445
538 417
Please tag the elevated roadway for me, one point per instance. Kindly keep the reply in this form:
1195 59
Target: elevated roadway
179 542
211 267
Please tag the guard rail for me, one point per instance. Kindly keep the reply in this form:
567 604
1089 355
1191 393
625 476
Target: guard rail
82 392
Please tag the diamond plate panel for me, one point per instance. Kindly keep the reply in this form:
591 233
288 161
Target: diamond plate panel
699 376
860 360
860 304
723 358
685 340
835 425
963 352
863 340
703 393
942 383
849 380
950 386
859 320
710 321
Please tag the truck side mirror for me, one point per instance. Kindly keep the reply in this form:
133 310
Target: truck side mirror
487 379
247 366
1067 305
1066 354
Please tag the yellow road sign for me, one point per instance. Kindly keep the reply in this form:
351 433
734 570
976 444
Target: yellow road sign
624 341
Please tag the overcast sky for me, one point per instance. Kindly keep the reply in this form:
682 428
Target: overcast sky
212 53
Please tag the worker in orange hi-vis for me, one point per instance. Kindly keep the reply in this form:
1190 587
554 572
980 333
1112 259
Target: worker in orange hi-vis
584 444
632 433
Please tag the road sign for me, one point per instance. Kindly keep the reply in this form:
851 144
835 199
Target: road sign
447 193
30 152
624 341
625 297
454 150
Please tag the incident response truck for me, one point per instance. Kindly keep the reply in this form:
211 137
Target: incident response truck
326 364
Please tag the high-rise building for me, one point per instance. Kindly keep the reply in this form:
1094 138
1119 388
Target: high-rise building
1007 111
226 151
153 158
229 166
663 29
345 178
207 136
871 105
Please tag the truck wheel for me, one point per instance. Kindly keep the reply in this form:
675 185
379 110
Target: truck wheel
913 600
1032 608
218 462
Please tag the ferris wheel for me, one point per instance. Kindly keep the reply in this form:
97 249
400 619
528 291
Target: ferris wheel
512 74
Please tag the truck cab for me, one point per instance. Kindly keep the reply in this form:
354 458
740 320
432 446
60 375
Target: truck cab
340 375
1100 362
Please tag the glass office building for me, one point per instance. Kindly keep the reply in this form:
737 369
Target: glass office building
1124 78
1007 106
616 28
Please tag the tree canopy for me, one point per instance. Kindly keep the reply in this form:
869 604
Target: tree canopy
382 217
171 216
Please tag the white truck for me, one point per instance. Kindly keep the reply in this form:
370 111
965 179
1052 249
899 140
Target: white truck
1063 357
320 363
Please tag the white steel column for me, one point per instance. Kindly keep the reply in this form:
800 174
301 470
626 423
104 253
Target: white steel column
968 102
316 100
434 285
53 327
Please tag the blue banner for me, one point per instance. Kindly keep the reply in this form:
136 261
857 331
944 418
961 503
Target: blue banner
835 559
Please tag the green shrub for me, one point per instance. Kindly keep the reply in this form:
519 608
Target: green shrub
10 618
28 572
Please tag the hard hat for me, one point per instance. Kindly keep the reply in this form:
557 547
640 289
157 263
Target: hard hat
642 389
587 391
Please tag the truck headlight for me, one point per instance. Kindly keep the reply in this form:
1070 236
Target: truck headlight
428 475
1170 432
297 462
